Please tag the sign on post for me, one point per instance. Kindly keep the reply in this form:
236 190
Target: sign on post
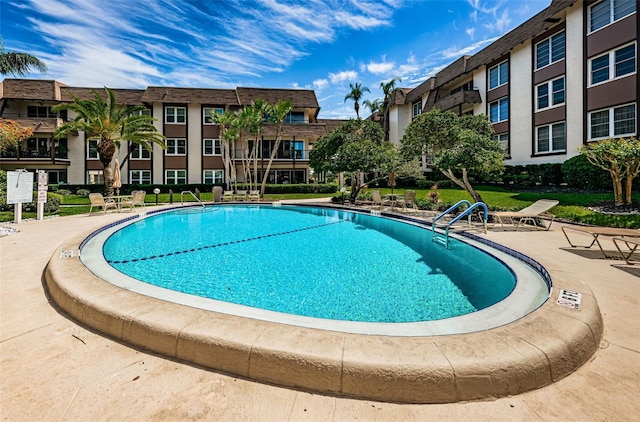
19 191
42 193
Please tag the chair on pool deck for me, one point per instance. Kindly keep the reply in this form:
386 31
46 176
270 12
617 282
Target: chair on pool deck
409 201
595 233
137 198
227 196
530 214
376 199
97 200
254 195
240 195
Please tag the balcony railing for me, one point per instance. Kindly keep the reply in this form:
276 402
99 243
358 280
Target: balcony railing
459 98
33 154
297 154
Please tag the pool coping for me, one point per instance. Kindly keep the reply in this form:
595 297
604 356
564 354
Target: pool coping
532 352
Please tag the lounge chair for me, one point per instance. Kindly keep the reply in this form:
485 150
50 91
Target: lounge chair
631 244
596 232
240 195
97 200
227 196
254 195
530 214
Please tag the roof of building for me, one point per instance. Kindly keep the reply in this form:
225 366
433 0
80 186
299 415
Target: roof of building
123 96
165 94
300 98
32 89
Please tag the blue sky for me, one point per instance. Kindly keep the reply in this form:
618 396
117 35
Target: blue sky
313 44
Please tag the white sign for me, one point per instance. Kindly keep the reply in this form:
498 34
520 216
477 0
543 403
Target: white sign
569 299
42 178
42 196
19 187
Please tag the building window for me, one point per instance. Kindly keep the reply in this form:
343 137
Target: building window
176 147
57 177
550 94
503 138
499 75
499 110
212 147
92 149
550 50
175 115
207 112
295 117
138 152
175 177
551 138
613 122
624 63
608 11
95 177
416 109
140 177
211 177
35 111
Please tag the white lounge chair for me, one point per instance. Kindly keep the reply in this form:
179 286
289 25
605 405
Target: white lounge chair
530 214
254 195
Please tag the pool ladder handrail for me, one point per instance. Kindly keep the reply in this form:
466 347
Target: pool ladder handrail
467 212
192 194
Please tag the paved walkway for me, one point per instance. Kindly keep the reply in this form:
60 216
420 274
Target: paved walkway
52 369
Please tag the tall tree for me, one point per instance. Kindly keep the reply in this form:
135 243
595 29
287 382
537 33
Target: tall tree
223 120
357 91
459 146
278 114
389 90
110 124
621 158
18 64
374 106
356 147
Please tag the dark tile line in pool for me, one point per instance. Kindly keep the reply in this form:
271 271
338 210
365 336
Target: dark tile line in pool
217 245
108 226
522 257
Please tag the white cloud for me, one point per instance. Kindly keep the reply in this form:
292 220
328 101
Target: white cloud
380 68
455 52
320 84
346 75
500 24
471 32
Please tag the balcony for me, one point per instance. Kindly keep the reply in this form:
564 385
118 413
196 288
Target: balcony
458 98
33 154
298 154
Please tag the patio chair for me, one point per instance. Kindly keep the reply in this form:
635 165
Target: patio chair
530 214
227 196
137 198
97 200
254 195
409 201
240 195
595 233
376 199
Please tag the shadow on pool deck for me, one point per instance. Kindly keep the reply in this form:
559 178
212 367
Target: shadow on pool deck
53 368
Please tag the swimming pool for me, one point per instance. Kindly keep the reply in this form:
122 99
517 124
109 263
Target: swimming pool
316 267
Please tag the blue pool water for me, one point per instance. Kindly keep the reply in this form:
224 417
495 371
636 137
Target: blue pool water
314 262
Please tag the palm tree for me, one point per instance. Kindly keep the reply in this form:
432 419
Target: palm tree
374 106
110 124
357 91
278 113
224 120
389 90
18 64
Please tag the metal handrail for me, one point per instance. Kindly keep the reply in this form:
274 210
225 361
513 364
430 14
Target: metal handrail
466 212
192 194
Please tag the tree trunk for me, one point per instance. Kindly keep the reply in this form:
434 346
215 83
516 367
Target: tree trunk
628 189
617 186
464 184
265 176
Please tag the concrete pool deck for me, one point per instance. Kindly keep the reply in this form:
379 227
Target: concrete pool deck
53 368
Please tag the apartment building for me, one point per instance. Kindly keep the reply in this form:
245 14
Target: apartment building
194 149
565 77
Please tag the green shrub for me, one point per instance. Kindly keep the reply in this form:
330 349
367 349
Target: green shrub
63 192
83 192
578 172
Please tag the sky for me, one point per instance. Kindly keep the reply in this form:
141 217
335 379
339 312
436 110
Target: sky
323 45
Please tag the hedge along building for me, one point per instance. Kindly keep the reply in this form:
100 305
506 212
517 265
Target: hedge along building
565 77
194 148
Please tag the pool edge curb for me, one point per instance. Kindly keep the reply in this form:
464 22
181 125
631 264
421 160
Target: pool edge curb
540 348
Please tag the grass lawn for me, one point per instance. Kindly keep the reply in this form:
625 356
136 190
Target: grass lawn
572 207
